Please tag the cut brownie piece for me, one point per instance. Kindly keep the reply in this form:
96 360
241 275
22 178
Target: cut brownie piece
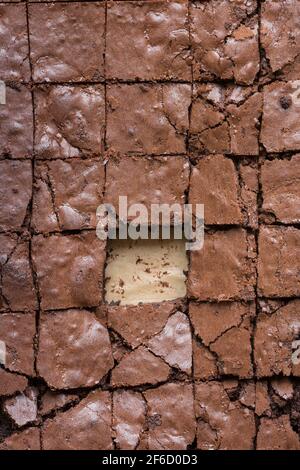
281 125
277 434
87 426
129 415
71 206
279 261
16 117
15 193
14 57
69 121
225 331
225 40
222 424
69 270
281 189
225 119
17 332
280 32
22 408
149 119
74 349
29 439
273 341
11 383
17 292
160 180
224 269
148 40
170 417
72 48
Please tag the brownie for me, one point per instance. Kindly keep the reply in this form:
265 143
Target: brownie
74 349
225 119
86 426
129 418
138 323
16 116
273 340
69 270
72 48
225 40
277 434
14 58
224 330
17 287
23 407
148 119
139 367
280 123
53 401
57 206
279 32
69 121
15 193
222 424
148 40
225 267
11 383
29 439
160 180
280 189
170 417
17 331
278 262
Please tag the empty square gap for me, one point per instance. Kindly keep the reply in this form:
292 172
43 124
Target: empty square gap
145 271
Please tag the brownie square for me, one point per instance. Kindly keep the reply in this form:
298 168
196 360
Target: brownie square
160 180
280 35
14 57
85 426
17 288
224 330
16 117
281 125
223 423
225 119
275 333
148 119
225 40
72 48
17 331
69 121
69 356
148 40
278 262
277 434
71 206
69 270
224 269
15 193
281 191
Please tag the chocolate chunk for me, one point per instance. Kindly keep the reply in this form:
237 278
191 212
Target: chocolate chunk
72 48
72 275
74 349
84 427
